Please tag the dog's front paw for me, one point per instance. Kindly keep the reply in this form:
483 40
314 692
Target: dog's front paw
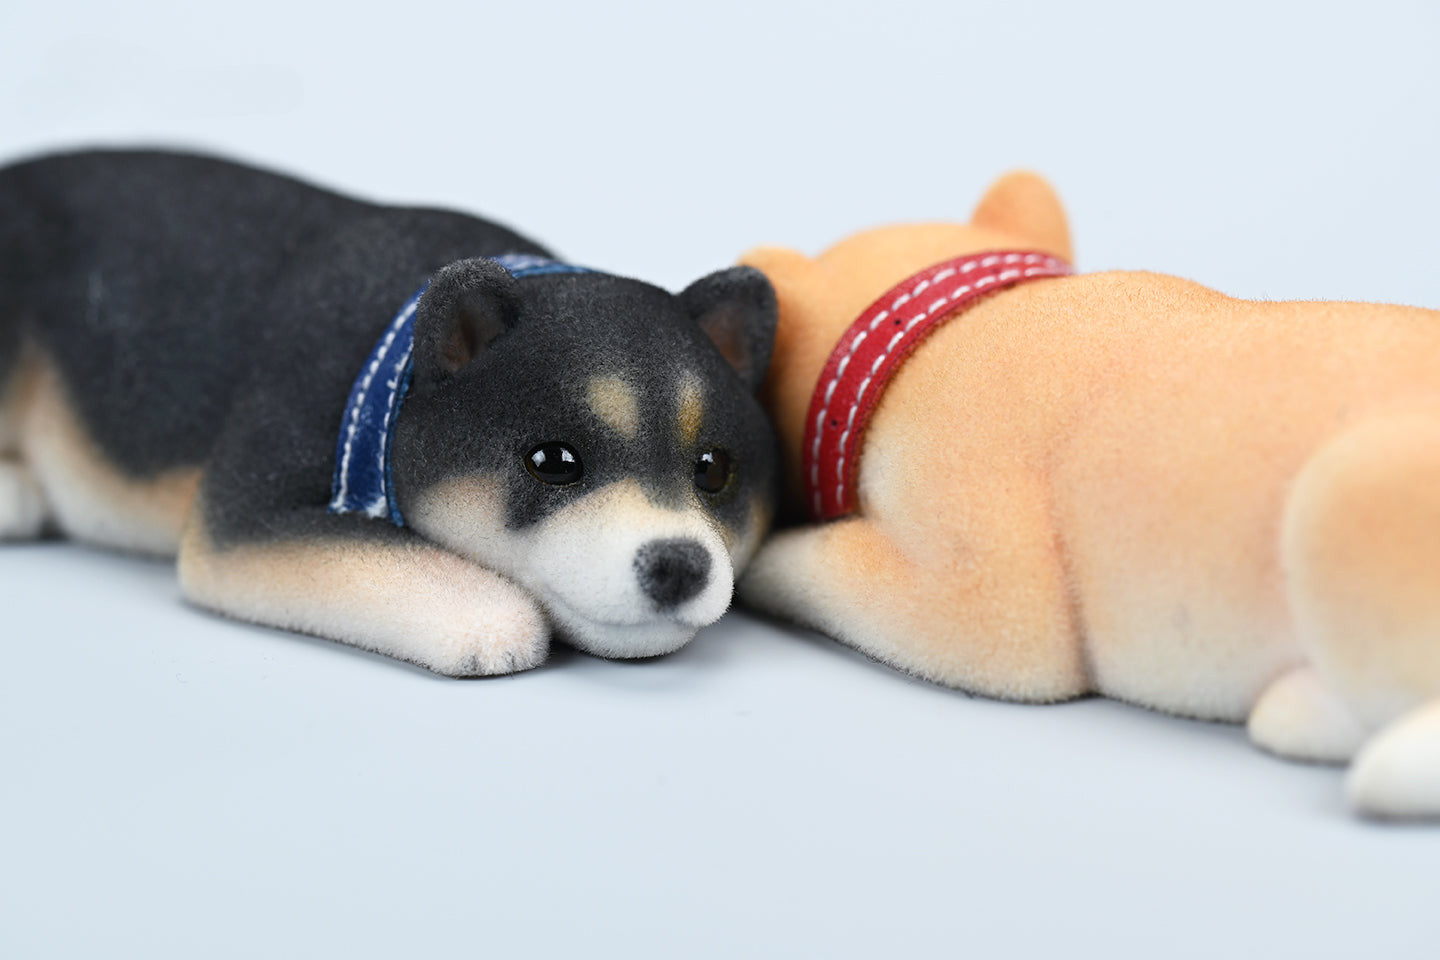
409 601
1299 717
502 641
465 621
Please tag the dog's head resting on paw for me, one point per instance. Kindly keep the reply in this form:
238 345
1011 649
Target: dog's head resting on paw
597 440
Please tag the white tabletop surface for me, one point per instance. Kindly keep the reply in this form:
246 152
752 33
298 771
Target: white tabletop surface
175 785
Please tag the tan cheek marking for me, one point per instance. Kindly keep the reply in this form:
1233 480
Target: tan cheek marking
612 399
466 515
742 544
692 410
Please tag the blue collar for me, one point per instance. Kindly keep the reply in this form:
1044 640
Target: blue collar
362 481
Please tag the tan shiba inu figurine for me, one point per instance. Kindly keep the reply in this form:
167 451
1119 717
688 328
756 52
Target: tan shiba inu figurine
1123 484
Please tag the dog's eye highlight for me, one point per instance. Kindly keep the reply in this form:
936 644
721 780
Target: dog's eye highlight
554 463
712 470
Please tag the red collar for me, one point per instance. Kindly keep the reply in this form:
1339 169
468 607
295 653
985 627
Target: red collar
868 355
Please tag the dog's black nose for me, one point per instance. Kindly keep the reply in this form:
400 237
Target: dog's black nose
672 571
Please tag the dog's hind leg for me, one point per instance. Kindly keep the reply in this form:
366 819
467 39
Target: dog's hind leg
1397 775
23 510
22 503
369 584
1361 554
23 507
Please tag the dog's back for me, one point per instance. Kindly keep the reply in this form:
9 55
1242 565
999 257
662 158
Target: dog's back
160 281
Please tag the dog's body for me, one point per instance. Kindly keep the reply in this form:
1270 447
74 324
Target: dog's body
1128 484
178 338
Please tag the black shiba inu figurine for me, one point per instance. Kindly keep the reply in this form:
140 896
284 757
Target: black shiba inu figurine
204 359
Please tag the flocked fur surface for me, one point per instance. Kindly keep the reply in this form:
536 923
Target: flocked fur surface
178 338
1128 484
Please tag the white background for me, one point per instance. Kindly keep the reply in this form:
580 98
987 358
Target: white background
173 785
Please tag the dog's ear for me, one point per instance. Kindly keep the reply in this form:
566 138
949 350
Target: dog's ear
736 309
1024 204
786 269
468 304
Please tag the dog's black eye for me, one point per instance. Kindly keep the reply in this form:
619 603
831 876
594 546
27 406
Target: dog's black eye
554 463
712 470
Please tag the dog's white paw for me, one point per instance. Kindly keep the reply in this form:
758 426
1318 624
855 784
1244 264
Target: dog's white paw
501 638
1397 774
22 503
781 574
460 619
1299 717
406 600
